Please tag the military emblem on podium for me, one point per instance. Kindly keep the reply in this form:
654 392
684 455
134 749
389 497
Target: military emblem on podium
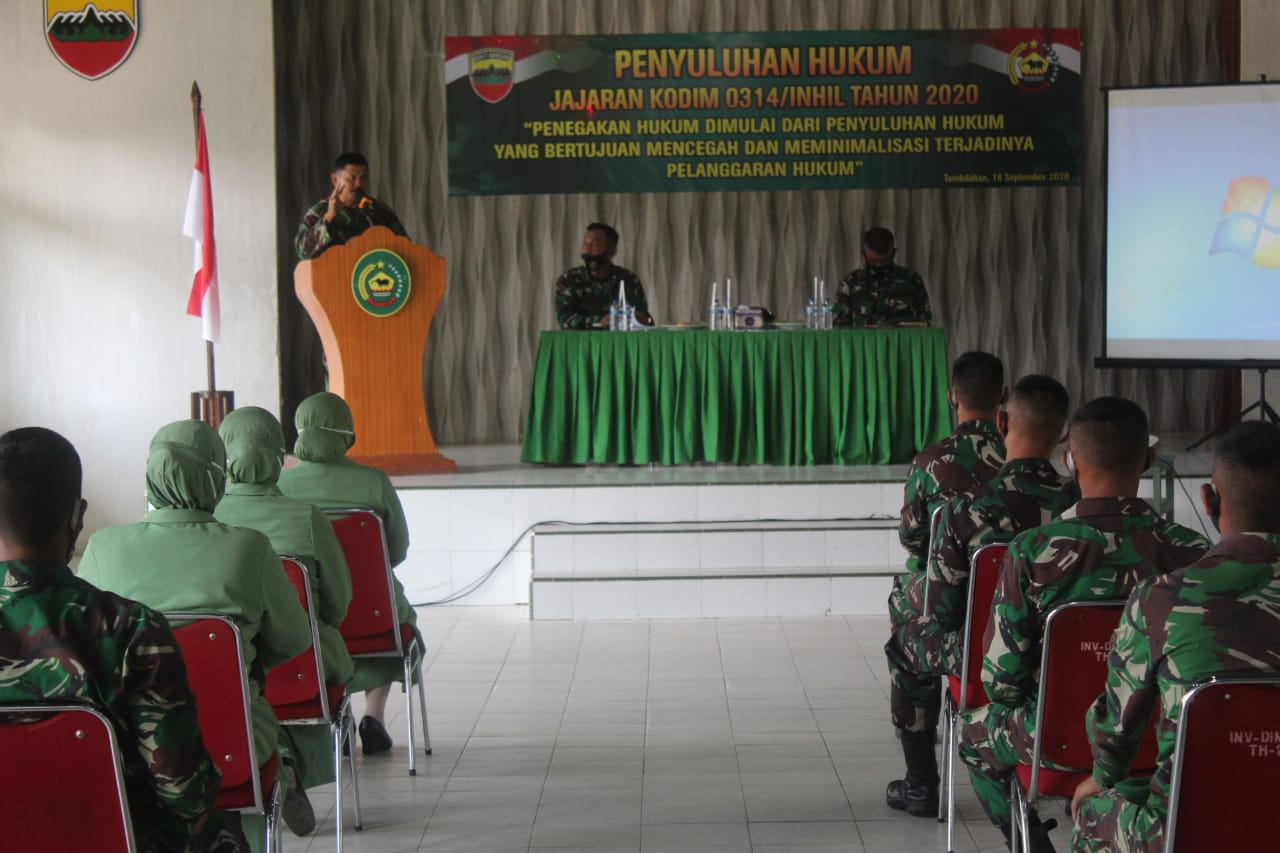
91 39
381 283
493 72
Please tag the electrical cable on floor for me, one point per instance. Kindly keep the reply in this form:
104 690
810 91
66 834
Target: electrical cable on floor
697 525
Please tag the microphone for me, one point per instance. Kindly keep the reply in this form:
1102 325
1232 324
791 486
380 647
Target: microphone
365 201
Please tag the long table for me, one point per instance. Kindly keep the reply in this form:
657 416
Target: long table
845 397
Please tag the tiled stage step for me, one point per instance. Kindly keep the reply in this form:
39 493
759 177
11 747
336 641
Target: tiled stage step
602 542
627 571
461 533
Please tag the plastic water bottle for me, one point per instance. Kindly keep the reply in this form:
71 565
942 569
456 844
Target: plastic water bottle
617 317
827 318
811 318
629 323
713 315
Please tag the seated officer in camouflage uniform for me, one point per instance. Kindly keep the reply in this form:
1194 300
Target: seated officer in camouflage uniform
348 212
66 640
970 456
1025 493
1097 550
1217 615
881 293
583 294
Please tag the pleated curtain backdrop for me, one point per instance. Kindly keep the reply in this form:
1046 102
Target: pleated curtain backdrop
1018 272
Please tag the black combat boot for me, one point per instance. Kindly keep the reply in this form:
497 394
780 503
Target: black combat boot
917 792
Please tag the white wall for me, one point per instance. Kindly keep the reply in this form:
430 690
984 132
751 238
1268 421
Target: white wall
94 270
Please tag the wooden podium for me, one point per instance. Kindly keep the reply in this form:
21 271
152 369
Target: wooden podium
372 301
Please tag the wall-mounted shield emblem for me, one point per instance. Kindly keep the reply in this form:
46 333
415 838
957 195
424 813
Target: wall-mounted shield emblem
493 72
91 38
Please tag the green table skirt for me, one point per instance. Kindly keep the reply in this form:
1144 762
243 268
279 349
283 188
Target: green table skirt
844 397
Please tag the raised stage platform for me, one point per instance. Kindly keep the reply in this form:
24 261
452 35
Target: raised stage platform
609 542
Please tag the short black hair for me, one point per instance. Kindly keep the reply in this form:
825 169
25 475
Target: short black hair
1111 433
349 158
878 240
1041 404
39 484
977 378
609 232
1247 468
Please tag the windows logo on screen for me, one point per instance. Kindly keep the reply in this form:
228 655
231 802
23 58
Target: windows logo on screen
1250 224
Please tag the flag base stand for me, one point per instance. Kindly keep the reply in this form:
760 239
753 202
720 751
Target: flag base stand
212 406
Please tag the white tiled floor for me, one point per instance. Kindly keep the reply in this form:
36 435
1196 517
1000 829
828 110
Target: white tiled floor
675 735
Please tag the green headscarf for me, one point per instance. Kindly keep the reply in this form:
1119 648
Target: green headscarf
325 428
255 446
185 467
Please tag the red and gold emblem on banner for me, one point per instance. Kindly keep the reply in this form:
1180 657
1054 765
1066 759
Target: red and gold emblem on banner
91 38
1033 65
493 72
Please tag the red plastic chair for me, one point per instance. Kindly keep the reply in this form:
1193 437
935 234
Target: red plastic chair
964 693
210 646
299 695
1226 766
371 628
63 788
1073 671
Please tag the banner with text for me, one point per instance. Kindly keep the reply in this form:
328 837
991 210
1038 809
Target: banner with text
763 111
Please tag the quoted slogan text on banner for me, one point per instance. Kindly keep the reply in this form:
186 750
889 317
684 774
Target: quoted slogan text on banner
759 111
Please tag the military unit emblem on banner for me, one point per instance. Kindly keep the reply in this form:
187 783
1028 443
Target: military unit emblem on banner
91 38
493 72
1033 65
381 283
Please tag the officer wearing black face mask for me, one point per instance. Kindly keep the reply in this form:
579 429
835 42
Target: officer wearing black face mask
583 294
881 293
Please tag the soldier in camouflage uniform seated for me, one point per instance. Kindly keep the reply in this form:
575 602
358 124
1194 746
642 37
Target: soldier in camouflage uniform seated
66 640
881 293
1218 615
583 294
970 456
1099 549
1025 493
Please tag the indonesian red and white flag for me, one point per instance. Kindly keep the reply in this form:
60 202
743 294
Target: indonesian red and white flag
198 225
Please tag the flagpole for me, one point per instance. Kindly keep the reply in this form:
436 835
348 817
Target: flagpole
195 120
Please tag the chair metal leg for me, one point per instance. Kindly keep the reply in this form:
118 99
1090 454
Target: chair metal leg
952 748
1020 840
422 706
1014 841
350 725
408 696
942 768
274 842
336 732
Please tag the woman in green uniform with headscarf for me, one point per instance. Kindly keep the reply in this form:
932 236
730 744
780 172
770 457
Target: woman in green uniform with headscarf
178 558
255 456
325 477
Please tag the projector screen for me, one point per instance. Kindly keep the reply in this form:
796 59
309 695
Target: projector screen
1193 224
